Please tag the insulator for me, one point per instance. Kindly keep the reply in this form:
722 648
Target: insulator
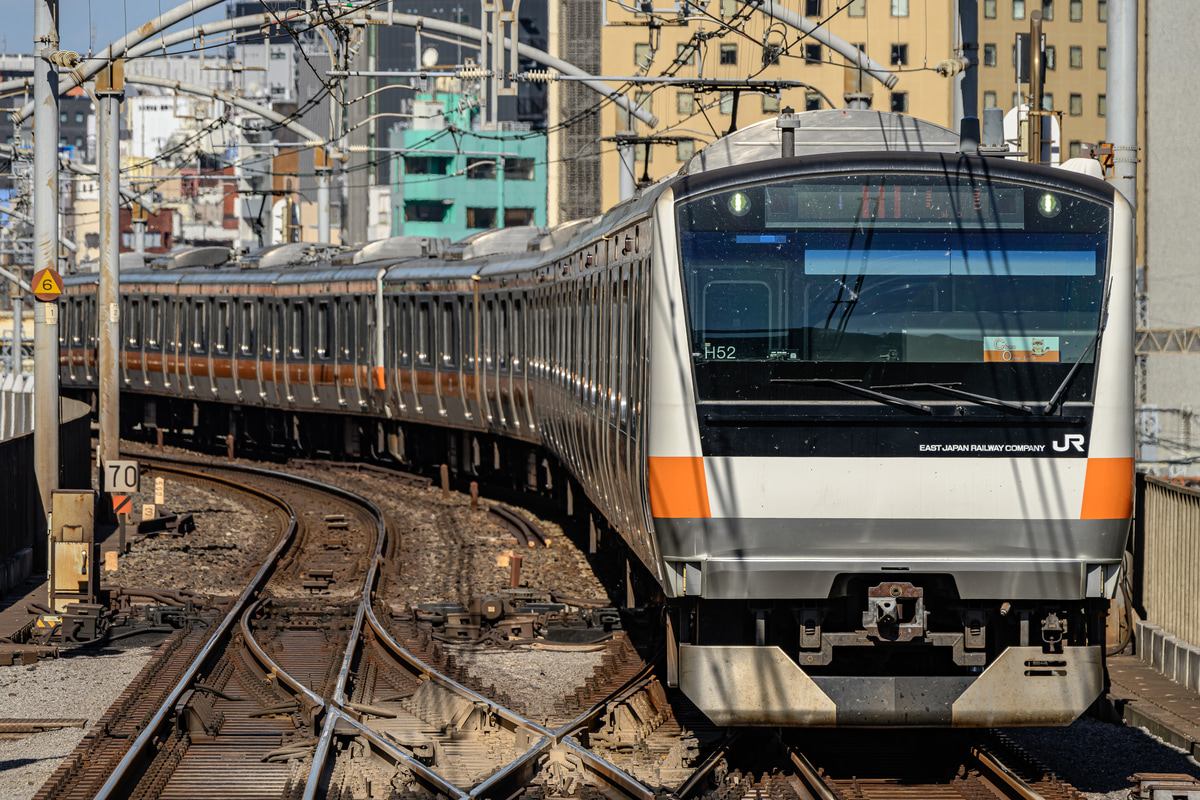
474 72
540 76
65 58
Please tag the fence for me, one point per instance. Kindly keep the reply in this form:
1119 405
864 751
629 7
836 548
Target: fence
16 405
22 547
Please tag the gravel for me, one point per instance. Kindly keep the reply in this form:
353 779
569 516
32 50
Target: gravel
1097 758
534 679
76 685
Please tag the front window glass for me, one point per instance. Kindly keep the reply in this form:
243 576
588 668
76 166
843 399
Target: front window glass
996 288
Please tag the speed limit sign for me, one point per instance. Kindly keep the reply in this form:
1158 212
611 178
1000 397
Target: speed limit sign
121 477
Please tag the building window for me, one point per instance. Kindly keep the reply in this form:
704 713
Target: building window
728 8
685 54
426 165
481 169
899 8
685 149
685 103
812 101
812 8
425 212
1075 148
516 217
1076 57
989 99
1047 10
1102 58
857 8
62 118
481 217
899 55
1047 101
1014 55
78 142
989 55
641 151
277 55
1051 57
770 103
1018 9
1076 105
79 116
643 100
899 102
1102 106
729 54
989 9
1102 10
518 169
1076 10
726 102
812 52
641 56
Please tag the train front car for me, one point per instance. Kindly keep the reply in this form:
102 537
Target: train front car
890 456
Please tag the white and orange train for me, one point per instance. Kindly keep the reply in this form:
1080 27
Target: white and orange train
863 413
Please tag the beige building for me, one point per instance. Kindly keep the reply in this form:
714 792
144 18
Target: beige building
731 40
1075 36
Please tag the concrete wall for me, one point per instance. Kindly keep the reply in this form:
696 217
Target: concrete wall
1172 259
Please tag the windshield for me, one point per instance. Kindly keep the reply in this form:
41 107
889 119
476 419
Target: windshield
988 286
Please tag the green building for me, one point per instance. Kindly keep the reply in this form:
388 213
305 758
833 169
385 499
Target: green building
452 181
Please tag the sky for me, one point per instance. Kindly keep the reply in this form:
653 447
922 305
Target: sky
85 24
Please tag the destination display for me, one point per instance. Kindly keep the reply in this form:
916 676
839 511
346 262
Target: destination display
895 205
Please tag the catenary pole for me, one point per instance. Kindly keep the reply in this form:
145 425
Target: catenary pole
45 251
1121 77
109 89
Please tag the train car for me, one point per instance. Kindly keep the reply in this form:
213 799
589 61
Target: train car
859 409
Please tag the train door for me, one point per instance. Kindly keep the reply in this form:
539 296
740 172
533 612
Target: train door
449 358
276 348
128 338
322 370
348 360
169 338
196 354
242 361
431 323
465 310
154 373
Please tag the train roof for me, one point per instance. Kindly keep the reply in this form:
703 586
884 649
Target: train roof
845 130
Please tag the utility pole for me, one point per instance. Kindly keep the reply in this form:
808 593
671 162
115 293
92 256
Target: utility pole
45 253
1121 77
322 168
110 89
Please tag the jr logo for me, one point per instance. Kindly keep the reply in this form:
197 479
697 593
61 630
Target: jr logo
1070 440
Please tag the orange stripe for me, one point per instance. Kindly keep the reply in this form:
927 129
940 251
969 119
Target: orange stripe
678 488
379 382
1108 489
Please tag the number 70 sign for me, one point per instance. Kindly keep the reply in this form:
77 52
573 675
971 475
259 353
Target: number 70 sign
121 477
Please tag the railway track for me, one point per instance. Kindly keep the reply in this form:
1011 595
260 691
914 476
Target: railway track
303 688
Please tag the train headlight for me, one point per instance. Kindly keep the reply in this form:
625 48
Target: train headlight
1049 205
739 204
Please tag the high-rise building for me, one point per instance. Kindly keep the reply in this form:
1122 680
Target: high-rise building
733 40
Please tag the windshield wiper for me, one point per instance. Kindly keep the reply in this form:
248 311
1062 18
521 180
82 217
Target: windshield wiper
1056 398
860 390
980 399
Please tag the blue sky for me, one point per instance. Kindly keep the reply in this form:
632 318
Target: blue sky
81 20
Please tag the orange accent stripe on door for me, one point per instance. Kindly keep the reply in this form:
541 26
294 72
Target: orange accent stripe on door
678 489
1108 489
379 382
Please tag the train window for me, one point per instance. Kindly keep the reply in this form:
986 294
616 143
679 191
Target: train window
518 335
489 334
405 332
222 329
297 348
424 323
448 335
199 326
503 339
321 330
277 349
154 325
468 333
133 325
246 330
92 328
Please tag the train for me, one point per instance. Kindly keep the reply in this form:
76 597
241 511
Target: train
854 399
